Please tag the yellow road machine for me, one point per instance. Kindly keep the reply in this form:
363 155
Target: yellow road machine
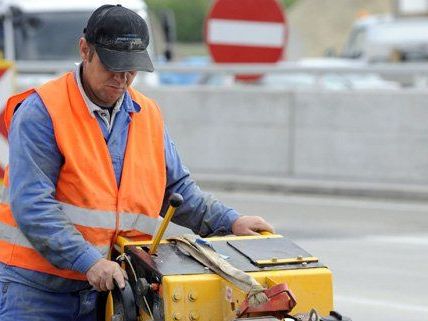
188 278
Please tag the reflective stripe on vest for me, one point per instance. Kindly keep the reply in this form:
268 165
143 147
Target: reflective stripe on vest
14 235
103 219
4 195
107 219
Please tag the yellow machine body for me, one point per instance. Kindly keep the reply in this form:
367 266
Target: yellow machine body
211 298
208 297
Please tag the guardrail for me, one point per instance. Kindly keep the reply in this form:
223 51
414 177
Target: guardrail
415 74
384 69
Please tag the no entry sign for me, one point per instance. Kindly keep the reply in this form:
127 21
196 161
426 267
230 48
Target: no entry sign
246 31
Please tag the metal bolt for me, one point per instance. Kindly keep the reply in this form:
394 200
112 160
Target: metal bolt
176 316
192 297
193 316
300 257
176 297
274 259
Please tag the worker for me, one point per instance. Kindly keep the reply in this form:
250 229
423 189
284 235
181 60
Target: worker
90 159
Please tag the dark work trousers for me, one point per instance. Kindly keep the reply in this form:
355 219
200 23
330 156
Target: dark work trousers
19 302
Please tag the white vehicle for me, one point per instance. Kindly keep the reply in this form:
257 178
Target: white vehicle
309 74
388 39
41 37
328 80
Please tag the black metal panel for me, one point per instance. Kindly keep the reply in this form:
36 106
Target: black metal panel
268 248
170 261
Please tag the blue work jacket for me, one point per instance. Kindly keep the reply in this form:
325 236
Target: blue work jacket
35 162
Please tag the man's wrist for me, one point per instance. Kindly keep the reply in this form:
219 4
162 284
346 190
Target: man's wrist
86 260
232 217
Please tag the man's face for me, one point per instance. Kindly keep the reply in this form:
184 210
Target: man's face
102 86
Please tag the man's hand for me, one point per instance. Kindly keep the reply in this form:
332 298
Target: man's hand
102 274
250 225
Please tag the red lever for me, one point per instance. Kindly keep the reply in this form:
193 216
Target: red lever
280 301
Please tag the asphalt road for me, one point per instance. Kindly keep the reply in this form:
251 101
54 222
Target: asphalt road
377 250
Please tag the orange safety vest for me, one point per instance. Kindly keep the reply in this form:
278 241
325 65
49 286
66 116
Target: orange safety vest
86 188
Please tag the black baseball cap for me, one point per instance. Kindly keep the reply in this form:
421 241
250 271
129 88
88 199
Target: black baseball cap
120 37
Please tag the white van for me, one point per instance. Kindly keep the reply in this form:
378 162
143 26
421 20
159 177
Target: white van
388 38
41 37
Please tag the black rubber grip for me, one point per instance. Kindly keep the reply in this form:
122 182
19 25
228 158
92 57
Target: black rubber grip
175 200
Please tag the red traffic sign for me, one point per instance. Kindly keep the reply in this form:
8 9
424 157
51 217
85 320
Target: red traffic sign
246 31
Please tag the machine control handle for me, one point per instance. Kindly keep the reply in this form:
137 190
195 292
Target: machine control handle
175 200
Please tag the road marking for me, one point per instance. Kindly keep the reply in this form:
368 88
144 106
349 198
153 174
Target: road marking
245 33
393 305
326 201
403 239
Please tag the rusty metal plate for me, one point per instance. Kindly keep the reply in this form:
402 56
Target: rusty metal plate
272 251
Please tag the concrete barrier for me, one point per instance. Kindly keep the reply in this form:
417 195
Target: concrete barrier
362 136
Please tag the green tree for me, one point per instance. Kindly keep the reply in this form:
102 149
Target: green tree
288 3
189 15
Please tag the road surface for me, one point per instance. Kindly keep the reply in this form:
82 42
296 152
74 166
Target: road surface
377 249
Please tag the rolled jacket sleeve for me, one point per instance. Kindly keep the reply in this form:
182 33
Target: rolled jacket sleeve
35 162
201 212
